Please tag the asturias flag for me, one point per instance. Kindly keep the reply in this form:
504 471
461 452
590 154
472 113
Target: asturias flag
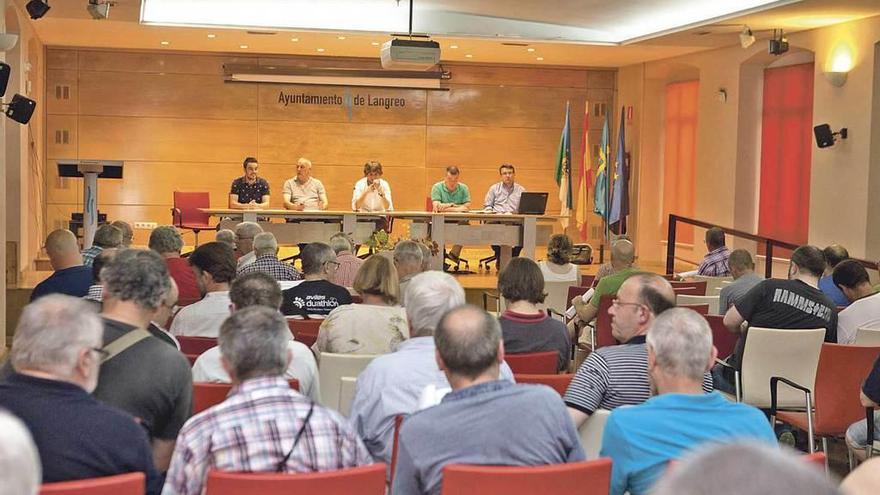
600 190
620 194
563 169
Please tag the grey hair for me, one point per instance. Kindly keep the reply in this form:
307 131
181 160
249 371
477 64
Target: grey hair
137 275
340 242
682 343
19 460
408 253
743 467
108 236
225 235
247 229
52 331
467 340
426 256
255 289
430 295
314 256
265 243
165 239
254 342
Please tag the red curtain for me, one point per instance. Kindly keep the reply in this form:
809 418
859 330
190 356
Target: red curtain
786 151
680 155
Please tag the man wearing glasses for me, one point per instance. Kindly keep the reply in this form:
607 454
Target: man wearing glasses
615 376
317 295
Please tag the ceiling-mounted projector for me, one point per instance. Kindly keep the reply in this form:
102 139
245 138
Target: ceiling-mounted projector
402 54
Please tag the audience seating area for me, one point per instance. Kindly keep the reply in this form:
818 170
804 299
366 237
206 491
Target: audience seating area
588 477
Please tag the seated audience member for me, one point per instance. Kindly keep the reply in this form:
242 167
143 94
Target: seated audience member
70 277
742 269
348 262
56 355
19 461
834 254
865 480
796 303
96 290
622 257
214 266
226 236
249 191
317 295
304 192
372 193
857 433
715 263
607 268
266 250
166 241
524 326
150 380
284 431
408 262
473 424
427 256
558 266
244 242
641 440
107 236
259 289
127 232
744 467
375 326
159 323
864 311
617 375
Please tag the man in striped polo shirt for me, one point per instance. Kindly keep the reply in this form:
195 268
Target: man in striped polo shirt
617 375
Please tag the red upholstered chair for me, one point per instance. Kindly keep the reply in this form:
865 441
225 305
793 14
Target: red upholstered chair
575 290
366 480
536 363
602 334
587 280
121 484
818 459
186 214
703 309
305 331
723 339
429 204
689 288
196 345
842 368
192 358
559 383
575 477
206 395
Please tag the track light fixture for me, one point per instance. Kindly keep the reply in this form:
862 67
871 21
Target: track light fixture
779 44
99 9
746 37
37 8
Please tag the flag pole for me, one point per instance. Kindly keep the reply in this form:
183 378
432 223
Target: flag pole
609 167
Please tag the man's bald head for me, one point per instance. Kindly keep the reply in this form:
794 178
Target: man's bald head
623 253
63 250
468 341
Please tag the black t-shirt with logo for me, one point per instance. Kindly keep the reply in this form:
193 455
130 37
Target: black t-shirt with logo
314 297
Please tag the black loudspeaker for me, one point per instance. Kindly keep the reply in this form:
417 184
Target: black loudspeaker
21 109
824 136
5 70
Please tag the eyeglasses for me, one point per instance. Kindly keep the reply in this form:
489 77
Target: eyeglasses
100 352
616 302
334 263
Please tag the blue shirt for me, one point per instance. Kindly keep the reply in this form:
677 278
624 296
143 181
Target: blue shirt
77 436
74 281
641 440
501 199
826 285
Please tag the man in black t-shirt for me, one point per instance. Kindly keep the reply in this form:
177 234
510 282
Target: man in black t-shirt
249 191
857 433
317 295
796 303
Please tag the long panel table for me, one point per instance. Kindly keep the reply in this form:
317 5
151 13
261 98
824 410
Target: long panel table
443 228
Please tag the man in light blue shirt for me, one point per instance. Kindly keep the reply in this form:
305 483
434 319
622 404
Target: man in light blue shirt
394 383
641 440
503 197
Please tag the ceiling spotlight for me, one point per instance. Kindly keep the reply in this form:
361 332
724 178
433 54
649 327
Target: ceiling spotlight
37 8
294 39
746 38
530 50
539 59
212 36
779 44
340 37
164 43
469 55
453 46
320 49
242 46
375 43
99 9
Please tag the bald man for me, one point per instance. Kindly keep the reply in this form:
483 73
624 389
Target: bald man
622 258
70 276
304 192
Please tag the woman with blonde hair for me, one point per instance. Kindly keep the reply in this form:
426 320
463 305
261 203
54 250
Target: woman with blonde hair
374 326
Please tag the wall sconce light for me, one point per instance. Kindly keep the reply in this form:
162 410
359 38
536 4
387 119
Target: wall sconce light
836 78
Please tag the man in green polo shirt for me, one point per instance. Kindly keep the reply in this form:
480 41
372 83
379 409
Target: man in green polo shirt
622 257
450 195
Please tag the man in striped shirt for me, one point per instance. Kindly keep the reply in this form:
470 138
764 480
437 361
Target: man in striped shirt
263 426
617 375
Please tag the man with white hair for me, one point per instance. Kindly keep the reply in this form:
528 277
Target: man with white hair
408 261
266 250
641 440
19 460
349 264
245 232
227 236
393 384
304 192
56 355
71 277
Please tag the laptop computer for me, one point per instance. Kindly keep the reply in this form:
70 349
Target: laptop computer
532 203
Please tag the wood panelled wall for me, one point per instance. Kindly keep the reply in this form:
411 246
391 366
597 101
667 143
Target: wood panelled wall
178 126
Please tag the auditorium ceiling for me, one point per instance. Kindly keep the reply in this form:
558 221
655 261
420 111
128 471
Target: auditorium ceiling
591 33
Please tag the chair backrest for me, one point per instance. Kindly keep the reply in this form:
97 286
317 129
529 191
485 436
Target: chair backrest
535 363
587 280
603 323
121 484
559 383
591 432
206 395
305 331
791 354
575 290
574 477
839 377
689 288
333 367
188 203
347 385
192 358
398 423
713 284
429 204
723 339
367 480
702 309
556 296
196 345
712 301
867 336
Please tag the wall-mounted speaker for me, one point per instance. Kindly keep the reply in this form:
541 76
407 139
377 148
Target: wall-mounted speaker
21 109
824 136
5 71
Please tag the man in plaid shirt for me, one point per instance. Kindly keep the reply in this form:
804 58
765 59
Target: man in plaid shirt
264 425
715 263
266 249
